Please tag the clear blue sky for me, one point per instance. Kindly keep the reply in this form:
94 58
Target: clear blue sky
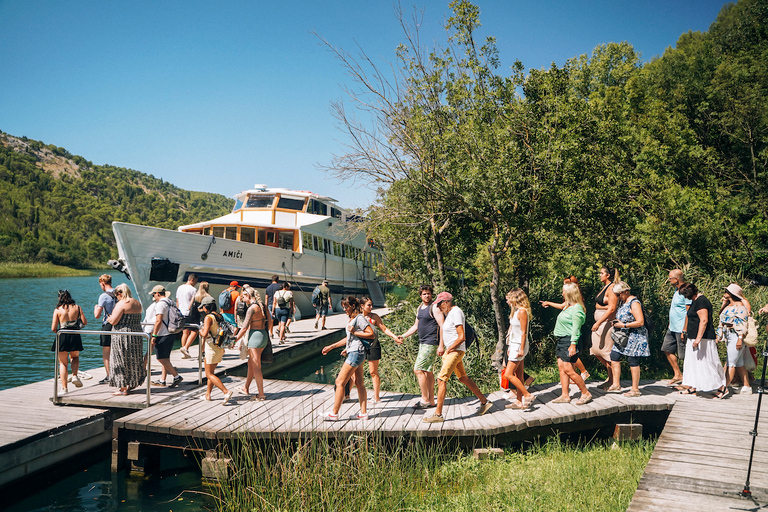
217 96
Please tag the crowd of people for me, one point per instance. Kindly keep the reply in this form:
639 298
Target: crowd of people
620 331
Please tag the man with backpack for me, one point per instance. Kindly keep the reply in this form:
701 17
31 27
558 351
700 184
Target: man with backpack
227 300
165 333
105 305
269 293
321 300
452 347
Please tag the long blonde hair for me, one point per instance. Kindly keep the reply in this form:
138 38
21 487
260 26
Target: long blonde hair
519 300
202 291
124 291
572 294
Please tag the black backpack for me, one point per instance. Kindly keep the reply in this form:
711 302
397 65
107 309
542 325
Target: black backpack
242 308
470 336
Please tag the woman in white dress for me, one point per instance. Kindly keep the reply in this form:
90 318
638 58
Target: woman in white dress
517 341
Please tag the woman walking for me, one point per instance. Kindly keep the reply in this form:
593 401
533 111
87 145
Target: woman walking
606 303
68 315
358 329
126 357
283 308
631 322
561 305
194 316
213 352
257 324
373 354
732 329
568 331
703 370
517 341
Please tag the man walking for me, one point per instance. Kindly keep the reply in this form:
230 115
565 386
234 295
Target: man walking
323 303
234 293
270 293
104 306
184 296
674 340
162 339
429 322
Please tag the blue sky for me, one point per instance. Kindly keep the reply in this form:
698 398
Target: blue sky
218 96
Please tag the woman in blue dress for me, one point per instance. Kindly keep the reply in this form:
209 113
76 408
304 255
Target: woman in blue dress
629 319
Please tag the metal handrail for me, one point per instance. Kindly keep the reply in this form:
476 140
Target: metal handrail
200 352
56 399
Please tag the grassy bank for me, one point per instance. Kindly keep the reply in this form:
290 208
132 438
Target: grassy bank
9 270
368 475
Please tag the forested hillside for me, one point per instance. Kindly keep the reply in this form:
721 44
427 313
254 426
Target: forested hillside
56 207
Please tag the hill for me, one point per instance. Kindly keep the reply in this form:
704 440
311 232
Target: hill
57 207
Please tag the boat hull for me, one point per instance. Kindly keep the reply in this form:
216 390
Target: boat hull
220 261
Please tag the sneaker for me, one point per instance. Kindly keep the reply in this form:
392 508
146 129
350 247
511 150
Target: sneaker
507 395
324 328
484 408
746 390
63 391
76 381
105 380
159 383
434 419
176 381
359 416
329 416
421 405
185 353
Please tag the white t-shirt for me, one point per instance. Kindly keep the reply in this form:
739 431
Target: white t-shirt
161 308
184 295
454 317
149 318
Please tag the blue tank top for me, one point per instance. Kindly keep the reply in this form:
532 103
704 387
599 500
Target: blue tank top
428 327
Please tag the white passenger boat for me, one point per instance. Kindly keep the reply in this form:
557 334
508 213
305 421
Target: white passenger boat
300 236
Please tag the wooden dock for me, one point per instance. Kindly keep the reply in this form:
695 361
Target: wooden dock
700 460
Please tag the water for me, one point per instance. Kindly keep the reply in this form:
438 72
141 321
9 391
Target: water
25 334
87 483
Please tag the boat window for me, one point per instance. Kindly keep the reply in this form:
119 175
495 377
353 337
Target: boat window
326 246
286 240
248 235
316 243
262 240
260 201
206 231
306 241
317 207
336 249
218 232
291 204
336 214
238 204
270 237
231 233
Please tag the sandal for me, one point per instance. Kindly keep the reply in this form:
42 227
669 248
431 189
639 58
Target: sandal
632 394
242 390
562 400
722 393
515 405
584 376
584 399
528 402
613 389
687 391
674 382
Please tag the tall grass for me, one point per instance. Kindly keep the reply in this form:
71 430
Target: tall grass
16 270
365 473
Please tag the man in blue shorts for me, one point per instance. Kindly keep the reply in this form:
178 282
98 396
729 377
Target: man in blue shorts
673 345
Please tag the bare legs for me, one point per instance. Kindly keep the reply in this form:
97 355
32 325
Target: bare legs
254 372
213 380
373 369
738 372
427 385
345 374
568 375
442 387
514 374
283 327
64 363
677 375
105 356
634 371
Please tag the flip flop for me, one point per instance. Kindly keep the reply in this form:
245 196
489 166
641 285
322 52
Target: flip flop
632 394
584 399
674 382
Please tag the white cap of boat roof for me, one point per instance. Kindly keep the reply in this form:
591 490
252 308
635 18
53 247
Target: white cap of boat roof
260 186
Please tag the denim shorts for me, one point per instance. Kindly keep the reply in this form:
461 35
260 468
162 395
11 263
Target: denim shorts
282 314
355 359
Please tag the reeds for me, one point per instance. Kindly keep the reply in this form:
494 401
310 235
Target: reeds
370 473
18 270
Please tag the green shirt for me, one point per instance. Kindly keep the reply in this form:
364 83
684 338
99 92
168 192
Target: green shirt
569 322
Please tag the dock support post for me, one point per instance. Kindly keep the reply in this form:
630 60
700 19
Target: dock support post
119 450
144 458
627 432
215 467
487 453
